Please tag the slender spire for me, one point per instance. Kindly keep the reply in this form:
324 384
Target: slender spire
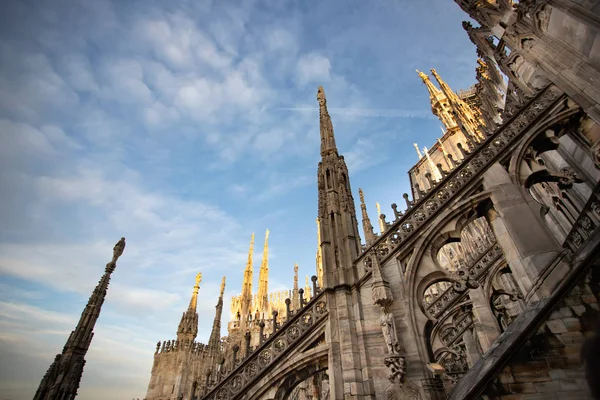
215 335
434 92
263 278
64 375
367 227
340 240
443 148
319 257
434 171
418 151
381 223
327 136
247 283
307 289
246 296
188 326
296 276
295 294
448 92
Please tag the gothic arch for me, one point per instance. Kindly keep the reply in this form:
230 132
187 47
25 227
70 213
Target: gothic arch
295 378
520 152
415 322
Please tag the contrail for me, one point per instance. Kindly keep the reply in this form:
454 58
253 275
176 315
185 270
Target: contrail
365 112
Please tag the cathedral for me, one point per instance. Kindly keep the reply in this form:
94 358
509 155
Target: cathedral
482 284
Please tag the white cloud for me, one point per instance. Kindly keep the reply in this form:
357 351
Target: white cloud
313 68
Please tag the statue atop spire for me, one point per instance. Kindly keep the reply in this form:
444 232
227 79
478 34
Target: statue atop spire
64 375
222 286
327 136
381 222
194 299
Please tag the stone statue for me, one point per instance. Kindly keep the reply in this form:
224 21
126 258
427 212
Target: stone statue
118 249
388 327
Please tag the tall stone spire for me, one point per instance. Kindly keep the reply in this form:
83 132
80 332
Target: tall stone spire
62 378
215 335
295 293
327 137
263 279
319 258
247 282
340 241
188 326
366 222
340 246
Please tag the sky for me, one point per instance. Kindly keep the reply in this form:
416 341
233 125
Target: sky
185 126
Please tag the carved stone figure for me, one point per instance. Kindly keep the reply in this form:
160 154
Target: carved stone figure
388 328
118 249
396 367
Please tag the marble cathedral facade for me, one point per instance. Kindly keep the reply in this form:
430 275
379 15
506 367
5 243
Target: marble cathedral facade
484 285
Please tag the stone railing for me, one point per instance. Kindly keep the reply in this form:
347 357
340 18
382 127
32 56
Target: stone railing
477 160
465 322
170 346
475 271
249 370
587 222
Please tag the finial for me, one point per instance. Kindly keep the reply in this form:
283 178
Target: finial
198 278
422 75
418 151
222 286
295 267
379 217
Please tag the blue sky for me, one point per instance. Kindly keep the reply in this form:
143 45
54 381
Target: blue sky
185 126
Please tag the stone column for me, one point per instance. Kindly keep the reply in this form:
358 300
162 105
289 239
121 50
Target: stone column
486 327
528 246
472 352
